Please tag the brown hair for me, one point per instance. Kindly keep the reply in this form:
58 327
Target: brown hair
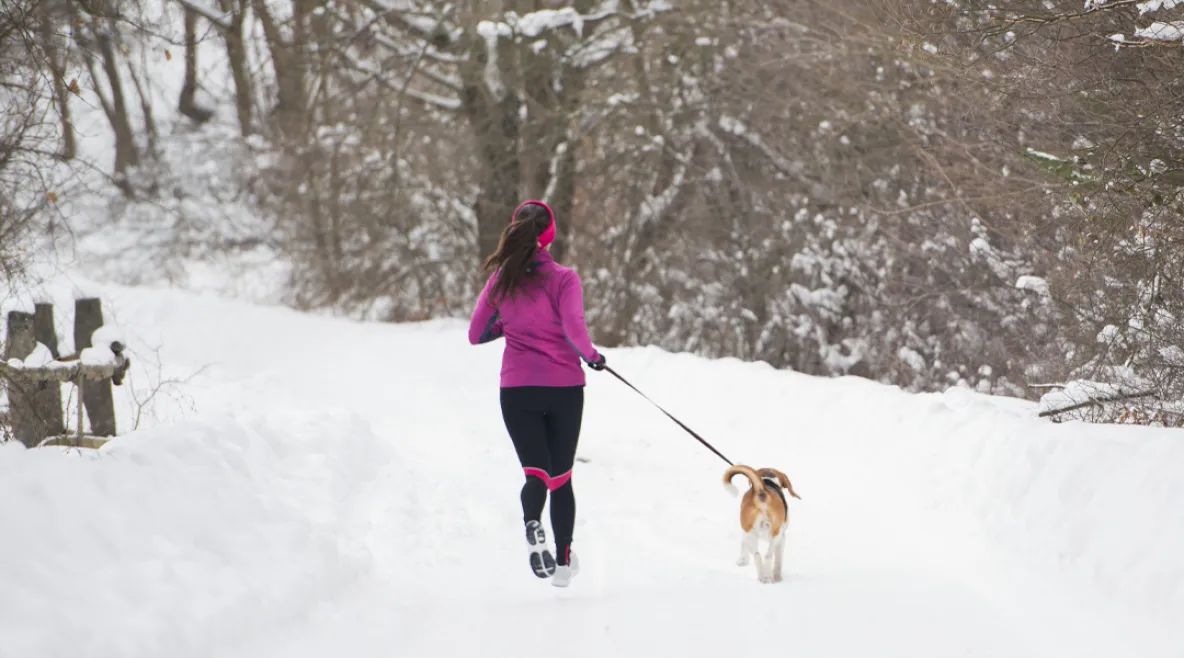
516 249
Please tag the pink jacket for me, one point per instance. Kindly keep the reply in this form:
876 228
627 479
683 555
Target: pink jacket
543 324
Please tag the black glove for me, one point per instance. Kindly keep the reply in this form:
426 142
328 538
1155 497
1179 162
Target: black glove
598 364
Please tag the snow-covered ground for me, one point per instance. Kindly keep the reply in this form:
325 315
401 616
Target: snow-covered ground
306 486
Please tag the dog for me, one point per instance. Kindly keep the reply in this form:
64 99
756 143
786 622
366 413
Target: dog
763 516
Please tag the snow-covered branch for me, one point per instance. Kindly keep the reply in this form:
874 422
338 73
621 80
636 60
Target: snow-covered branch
1172 32
492 33
373 75
735 127
654 206
441 102
1080 394
218 19
1158 32
553 170
416 48
537 24
435 30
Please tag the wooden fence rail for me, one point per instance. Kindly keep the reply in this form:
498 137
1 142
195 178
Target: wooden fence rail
32 371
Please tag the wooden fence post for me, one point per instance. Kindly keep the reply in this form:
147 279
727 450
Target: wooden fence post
18 344
96 395
48 394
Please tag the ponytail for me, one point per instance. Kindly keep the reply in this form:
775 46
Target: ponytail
517 246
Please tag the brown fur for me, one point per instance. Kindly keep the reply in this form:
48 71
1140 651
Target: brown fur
758 499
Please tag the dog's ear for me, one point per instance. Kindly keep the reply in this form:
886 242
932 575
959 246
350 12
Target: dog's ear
785 484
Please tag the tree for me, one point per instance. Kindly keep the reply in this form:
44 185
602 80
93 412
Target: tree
1100 89
31 85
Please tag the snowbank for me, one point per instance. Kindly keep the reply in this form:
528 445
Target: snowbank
180 540
257 516
1090 511
1098 506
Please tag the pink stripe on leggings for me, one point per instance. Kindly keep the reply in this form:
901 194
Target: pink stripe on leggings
552 483
559 481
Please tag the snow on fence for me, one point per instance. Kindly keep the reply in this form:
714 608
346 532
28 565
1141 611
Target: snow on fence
32 372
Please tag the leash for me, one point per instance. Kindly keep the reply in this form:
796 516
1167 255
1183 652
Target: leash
680 423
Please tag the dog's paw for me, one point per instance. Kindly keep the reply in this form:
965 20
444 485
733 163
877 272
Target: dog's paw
742 561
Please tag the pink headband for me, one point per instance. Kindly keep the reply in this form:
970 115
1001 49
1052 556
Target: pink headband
548 235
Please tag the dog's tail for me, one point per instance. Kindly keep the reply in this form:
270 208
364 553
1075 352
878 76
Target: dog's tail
747 472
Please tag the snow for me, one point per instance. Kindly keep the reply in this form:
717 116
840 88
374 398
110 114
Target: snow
1043 155
1160 31
176 540
39 357
653 8
493 29
107 335
1109 334
1155 5
336 487
1032 284
491 32
536 22
1079 391
912 358
97 356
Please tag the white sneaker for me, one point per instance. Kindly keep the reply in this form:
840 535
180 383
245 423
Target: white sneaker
562 577
565 572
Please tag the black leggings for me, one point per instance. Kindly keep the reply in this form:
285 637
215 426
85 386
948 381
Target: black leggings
544 424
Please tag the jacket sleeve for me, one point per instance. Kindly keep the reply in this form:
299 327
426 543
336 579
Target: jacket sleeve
486 324
571 315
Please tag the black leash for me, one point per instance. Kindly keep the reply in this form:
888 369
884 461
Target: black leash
680 423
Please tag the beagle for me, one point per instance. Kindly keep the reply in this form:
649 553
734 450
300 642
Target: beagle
763 516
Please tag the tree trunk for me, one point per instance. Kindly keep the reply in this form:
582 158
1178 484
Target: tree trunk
553 173
187 103
100 407
562 200
61 91
496 127
145 109
288 64
126 152
236 53
501 176
671 172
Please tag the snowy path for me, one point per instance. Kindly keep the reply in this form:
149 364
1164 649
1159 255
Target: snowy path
923 530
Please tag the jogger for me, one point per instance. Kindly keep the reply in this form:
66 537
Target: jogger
537 305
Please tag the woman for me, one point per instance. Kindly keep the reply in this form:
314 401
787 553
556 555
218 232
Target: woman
537 305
